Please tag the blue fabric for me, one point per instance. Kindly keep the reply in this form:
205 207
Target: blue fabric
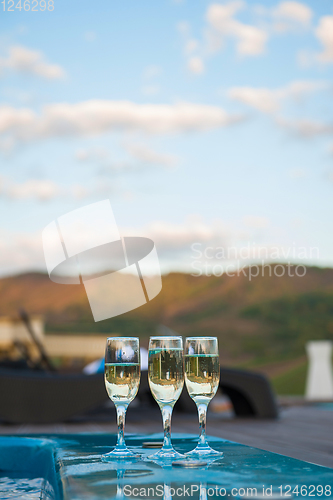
100 369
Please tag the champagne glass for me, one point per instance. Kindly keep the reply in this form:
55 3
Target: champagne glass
122 379
202 377
166 380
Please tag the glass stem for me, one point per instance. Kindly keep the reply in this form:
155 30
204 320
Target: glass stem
202 413
203 491
167 492
120 487
121 413
166 415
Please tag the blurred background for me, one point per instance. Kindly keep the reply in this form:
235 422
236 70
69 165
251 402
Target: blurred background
209 126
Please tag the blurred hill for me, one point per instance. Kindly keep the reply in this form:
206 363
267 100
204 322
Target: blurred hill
262 323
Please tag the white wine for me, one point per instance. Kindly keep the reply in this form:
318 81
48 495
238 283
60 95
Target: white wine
122 381
166 374
202 376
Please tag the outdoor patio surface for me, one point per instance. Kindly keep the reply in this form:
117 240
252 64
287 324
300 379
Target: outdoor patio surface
302 432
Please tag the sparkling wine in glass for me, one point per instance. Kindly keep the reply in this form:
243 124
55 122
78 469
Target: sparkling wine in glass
202 377
122 379
166 380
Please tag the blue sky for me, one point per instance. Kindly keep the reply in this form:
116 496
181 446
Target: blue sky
202 122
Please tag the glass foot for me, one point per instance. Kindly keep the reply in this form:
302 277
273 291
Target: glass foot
204 451
166 454
120 454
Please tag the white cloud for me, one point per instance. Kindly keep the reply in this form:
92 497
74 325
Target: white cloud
173 238
79 192
46 190
221 26
152 71
187 245
97 116
305 127
150 74
11 118
145 154
324 33
93 154
180 244
184 28
82 155
196 65
19 95
269 100
191 45
7 145
31 62
192 50
42 190
290 15
20 251
108 165
250 40
150 90
298 89
262 99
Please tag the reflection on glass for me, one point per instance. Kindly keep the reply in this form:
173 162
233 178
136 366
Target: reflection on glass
122 379
166 380
202 377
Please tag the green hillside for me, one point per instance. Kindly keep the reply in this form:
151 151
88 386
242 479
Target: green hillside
263 323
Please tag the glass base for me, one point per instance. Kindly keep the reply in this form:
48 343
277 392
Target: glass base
166 454
204 451
120 454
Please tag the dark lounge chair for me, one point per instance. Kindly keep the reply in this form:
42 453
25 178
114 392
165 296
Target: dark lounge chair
39 397
250 394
